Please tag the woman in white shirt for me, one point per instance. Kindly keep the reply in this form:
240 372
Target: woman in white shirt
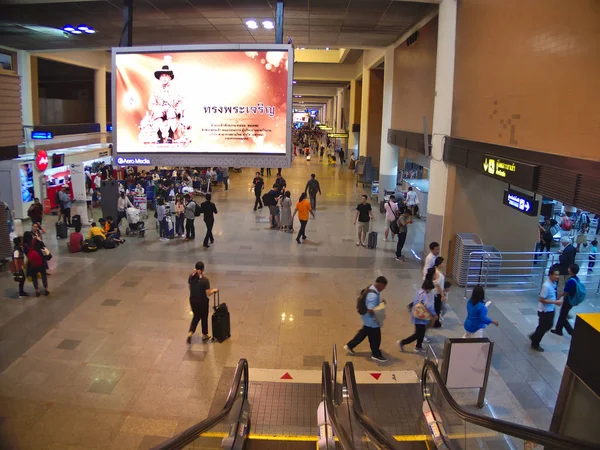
438 277
412 200
391 215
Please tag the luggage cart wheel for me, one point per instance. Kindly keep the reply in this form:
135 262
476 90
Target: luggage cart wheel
127 231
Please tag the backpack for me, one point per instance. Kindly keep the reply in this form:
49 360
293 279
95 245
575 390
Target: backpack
268 199
394 227
34 259
109 243
547 236
89 246
57 199
566 224
361 302
197 210
580 292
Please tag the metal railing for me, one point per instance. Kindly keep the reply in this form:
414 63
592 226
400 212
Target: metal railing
330 411
523 271
191 434
546 438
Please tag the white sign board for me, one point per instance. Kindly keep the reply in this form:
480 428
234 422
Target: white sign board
78 181
467 365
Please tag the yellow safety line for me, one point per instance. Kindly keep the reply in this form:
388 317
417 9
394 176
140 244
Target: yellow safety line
300 438
411 437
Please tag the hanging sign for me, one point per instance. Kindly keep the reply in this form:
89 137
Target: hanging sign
521 202
512 172
41 160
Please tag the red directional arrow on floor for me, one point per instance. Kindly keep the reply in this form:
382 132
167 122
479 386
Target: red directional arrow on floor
286 376
376 375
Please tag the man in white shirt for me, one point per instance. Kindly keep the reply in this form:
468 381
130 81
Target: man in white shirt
547 302
391 214
412 201
434 251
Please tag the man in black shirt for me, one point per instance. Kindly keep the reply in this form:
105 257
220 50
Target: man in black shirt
208 210
280 182
258 184
364 214
199 292
313 188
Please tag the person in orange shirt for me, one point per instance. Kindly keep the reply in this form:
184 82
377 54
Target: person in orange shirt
302 208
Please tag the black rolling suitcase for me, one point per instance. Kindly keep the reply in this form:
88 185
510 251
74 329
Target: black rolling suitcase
62 232
372 240
221 327
76 221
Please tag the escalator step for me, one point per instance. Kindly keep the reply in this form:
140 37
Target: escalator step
253 444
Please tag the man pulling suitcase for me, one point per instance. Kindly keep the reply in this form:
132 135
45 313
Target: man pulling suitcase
200 291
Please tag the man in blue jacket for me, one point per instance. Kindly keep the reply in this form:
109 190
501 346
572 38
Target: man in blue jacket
371 328
570 291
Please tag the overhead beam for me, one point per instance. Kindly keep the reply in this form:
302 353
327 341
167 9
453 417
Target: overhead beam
324 72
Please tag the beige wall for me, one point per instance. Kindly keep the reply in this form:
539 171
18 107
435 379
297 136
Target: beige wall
528 75
414 81
375 113
477 208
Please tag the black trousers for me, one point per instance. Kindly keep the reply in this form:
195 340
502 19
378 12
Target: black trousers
546 320
545 245
258 202
33 273
200 309
302 232
563 321
400 245
437 304
190 229
313 200
226 183
67 216
374 335
120 216
418 336
209 235
22 284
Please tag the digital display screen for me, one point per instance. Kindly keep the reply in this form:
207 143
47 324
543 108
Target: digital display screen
58 160
201 102
26 175
301 117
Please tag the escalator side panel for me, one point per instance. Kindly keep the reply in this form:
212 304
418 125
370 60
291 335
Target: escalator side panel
259 444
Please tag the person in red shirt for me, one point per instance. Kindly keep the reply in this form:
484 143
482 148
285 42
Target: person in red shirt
75 243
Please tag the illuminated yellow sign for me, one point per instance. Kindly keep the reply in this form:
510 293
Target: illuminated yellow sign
337 135
497 167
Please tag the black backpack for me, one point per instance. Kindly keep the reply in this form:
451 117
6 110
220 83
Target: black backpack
109 243
268 199
361 302
197 210
89 245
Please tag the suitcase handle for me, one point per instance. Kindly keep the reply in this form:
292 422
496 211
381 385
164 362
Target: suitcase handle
216 300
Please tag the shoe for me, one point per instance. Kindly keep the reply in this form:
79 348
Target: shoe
363 244
379 358
437 325
23 294
384 239
538 349
123 241
304 238
205 246
358 244
205 337
349 350
419 350
260 207
298 241
37 293
426 339
400 259
47 293
189 339
400 345
254 209
212 241
558 333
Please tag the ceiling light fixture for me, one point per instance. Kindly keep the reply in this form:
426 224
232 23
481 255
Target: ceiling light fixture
82 28
268 24
251 24
326 48
76 32
293 81
68 28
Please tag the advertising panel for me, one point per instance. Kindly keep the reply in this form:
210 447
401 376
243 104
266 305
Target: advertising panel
301 117
201 101
26 175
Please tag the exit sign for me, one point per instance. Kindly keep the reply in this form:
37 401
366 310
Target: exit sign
521 202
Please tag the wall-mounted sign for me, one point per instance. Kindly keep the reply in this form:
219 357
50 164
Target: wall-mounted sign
41 135
337 135
521 202
102 154
41 160
512 172
133 161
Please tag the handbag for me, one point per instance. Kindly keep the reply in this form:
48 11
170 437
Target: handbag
46 253
420 311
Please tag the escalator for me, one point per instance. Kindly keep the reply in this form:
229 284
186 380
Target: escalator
346 424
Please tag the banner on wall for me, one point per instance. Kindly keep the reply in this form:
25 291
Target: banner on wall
202 101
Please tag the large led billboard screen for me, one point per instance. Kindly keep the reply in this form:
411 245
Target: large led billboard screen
201 101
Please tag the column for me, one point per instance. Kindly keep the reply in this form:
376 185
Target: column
330 105
364 116
354 117
340 104
100 100
441 179
388 158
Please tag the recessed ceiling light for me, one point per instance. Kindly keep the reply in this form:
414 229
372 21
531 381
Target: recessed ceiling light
69 28
82 27
251 24
90 31
76 32
268 24
326 48
302 48
293 81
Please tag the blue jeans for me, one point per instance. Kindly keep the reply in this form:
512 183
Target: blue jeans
162 228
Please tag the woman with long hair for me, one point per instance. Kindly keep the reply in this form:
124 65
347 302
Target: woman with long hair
303 208
477 318
436 275
286 211
19 261
35 262
179 216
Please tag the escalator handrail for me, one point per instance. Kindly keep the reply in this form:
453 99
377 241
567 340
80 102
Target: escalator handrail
381 437
327 395
192 433
546 438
